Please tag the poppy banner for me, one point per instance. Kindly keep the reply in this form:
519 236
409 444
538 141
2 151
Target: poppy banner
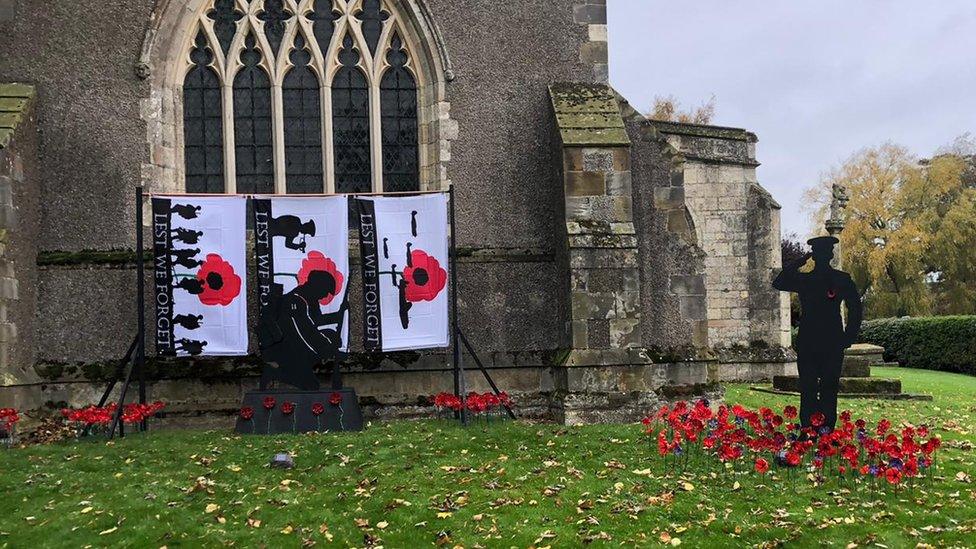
302 248
200 275
404 248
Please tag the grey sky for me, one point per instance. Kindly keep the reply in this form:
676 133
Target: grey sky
815 80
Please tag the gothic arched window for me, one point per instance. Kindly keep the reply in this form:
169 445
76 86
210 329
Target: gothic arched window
300 96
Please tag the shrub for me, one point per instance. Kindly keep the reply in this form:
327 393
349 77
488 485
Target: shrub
945 343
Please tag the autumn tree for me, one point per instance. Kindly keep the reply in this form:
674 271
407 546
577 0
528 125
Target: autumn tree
910 228
668 109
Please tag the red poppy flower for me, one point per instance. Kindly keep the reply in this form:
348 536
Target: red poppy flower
269 403
247 413
425 277
318 409
335 398
789 412
221 284
893 476
818 419
831 293
287 408
762 466
316 261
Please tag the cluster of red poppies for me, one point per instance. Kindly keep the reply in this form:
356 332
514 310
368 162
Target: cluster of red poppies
734 433
475 403
288 407
103 415
8 418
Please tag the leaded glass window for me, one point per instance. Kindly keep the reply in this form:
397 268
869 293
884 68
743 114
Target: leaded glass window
202 123
350 123
303 124
300 96
398 103
252 123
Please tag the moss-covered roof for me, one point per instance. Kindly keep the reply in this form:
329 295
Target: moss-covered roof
588 115
14 101
704 130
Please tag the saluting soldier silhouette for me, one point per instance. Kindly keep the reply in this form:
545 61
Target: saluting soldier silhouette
291 227
822 335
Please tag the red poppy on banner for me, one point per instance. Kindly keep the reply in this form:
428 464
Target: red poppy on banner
221 283
425 277
316 261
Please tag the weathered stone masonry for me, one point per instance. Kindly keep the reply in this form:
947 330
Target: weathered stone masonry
738 225
18 232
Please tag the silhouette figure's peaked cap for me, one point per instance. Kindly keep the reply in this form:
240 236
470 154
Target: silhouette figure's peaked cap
823 241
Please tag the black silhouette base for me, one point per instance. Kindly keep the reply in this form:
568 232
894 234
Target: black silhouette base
302 419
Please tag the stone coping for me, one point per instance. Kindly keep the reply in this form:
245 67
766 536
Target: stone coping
703 130
864 349
588 115
15 100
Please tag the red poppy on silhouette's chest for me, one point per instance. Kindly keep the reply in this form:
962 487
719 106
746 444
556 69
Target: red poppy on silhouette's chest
831 293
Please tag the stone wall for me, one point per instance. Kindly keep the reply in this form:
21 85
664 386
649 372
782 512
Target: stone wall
737 223
672 262
18 233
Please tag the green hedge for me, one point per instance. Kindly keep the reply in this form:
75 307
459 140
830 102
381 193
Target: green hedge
945 343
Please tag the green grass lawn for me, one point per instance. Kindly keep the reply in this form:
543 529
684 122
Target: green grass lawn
414 484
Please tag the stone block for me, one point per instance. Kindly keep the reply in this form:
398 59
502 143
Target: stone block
692 308
572 159
601 73
688 285
625 333
594 52
678 221
620 184
848 385
8 217
8 332
590 306
581 335
8 10
621 159
586 183
627 304
8 289
597 33
666 198
590 14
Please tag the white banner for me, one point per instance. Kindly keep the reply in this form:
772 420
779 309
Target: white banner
200 275
404 248
294 238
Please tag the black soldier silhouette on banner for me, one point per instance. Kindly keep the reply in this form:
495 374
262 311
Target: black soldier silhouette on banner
303 296
404 249
822 336
198 246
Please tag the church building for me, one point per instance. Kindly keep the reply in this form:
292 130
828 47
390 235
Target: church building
606 262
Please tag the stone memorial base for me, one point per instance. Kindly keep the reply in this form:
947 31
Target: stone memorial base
346 416
855 380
